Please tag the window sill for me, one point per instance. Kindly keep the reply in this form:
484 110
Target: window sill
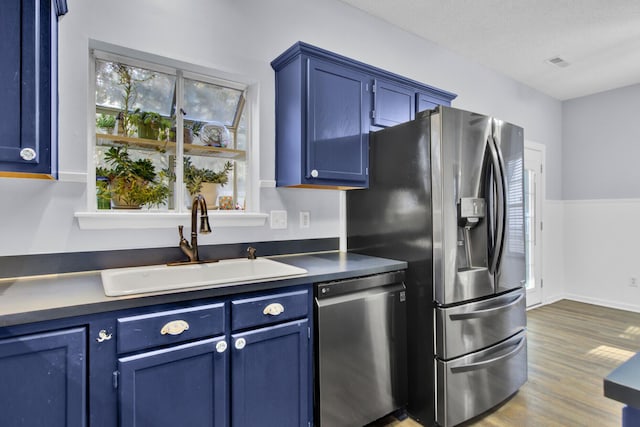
145 220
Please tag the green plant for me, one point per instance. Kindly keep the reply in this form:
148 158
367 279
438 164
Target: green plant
195 126
150 124
132 182
194 177
106 121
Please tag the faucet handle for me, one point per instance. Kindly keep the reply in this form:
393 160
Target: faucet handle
183 241
252 252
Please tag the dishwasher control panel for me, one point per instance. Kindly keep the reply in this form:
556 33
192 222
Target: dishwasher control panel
347 286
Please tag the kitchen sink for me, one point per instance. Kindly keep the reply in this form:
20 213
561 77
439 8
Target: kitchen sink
157 278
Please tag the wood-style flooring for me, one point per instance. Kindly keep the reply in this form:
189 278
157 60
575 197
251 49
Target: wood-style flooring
572 347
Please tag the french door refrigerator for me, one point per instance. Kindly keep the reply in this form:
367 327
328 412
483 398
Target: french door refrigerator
446 195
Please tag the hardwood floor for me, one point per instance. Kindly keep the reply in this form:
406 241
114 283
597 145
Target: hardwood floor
572 347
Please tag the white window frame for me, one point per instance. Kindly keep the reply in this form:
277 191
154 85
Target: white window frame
92 218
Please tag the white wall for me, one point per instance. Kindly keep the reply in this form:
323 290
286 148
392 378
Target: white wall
553 251
601 135
601 252
242 37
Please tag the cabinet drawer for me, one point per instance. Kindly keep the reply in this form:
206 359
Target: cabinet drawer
265 310
169 327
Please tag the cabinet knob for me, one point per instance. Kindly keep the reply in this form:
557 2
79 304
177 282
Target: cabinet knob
314 173
221 347
27 154
103 336
240 343
175 327
273 309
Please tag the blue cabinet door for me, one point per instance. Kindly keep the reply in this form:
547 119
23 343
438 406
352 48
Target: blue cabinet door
270 376
183 385
428 102
392 103
43 379
338 109
27 81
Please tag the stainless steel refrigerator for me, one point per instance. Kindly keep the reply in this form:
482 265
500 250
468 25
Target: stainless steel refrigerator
446 195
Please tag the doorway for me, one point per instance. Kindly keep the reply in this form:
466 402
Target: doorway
533 224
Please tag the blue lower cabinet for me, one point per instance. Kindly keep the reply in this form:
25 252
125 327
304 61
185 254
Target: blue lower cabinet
630 416
43 379
170 365
183 385
270 376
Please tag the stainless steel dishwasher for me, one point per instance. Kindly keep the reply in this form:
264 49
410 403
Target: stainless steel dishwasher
361 349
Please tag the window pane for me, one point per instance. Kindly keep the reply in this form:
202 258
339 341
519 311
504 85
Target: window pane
134 175
241 135
129 178
135 121
210 103
119 86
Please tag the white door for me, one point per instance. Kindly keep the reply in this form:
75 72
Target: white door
533 197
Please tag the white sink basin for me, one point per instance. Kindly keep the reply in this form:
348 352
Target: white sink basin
156 278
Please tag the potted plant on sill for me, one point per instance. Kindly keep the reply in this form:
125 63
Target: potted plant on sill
192 130
132 183
150 125
105 123
205 181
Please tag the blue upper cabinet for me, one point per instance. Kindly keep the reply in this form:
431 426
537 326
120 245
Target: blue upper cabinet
326 105
322 128
28 75
428 101
392 103
337 126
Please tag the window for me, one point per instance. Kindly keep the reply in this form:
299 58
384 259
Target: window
165 134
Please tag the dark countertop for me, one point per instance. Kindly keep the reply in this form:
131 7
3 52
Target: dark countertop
623 383
40 298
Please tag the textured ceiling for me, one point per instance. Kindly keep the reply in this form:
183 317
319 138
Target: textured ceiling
600 39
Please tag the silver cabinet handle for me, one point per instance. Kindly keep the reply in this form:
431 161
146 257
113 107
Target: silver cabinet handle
27 154
240 343
175 327
314 173
273 309
221 347
103 336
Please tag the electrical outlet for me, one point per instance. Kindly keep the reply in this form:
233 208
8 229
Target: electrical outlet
278 219
305 219
633 282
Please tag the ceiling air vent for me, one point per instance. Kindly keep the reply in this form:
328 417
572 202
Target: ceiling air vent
558 62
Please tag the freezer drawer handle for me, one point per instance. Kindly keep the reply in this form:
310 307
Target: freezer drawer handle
486 363
485 313
273 309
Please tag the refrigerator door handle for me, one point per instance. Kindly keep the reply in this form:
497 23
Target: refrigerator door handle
485 312
499 180
486 363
